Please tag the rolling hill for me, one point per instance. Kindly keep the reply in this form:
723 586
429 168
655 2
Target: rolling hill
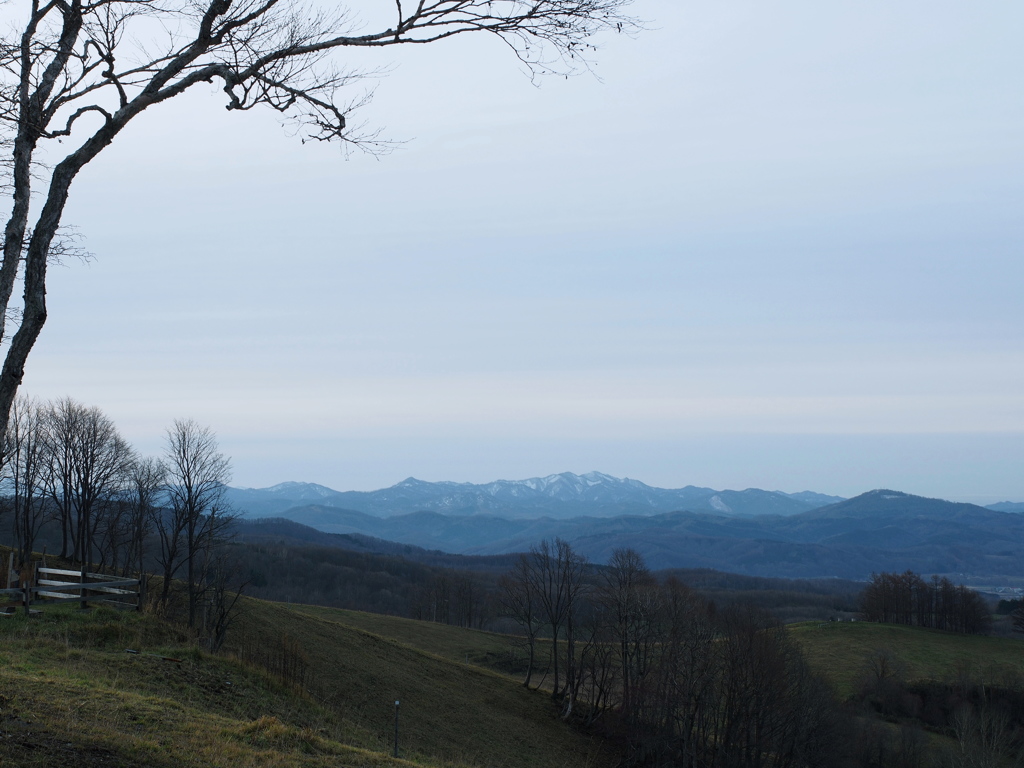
876 531
70 695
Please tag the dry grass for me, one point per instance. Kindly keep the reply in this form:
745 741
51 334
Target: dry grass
840 651
70 695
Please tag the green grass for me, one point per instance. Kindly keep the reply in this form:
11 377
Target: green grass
840 651
69 694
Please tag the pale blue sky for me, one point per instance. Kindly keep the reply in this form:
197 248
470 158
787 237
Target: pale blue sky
778 245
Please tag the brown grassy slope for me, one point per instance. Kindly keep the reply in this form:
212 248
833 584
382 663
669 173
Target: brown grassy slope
70 695
450 710
468 646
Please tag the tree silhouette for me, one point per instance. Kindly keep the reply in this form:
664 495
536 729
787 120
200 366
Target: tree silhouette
79 71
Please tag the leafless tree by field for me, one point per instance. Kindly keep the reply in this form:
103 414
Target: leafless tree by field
87 468
24 474
199 517
75 73
146 481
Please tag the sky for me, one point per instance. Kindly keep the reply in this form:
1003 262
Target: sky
770 245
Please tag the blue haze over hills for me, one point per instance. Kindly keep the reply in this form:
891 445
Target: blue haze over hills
558 496
756 532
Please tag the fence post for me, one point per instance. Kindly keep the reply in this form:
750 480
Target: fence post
141 596
84 604
396 727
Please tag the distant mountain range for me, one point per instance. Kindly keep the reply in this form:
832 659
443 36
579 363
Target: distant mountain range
876 531
562 496
1008 506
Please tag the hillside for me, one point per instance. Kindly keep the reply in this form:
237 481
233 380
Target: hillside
314 687
877 531
841 651
66 667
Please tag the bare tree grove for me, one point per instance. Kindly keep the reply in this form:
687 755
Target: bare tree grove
654 665
906 598
69 478
23 473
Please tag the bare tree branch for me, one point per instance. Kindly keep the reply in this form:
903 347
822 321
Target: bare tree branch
80 71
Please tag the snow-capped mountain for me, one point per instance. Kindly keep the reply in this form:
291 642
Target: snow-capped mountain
559 496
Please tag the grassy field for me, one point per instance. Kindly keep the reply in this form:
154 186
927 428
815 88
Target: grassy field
71 695
841 650
469 646
450 709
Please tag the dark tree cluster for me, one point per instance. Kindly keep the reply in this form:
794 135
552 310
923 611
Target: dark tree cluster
906 598
658 667
1014 608
67 467
70 479
789 600
365 581
1008 607
982 714
450 597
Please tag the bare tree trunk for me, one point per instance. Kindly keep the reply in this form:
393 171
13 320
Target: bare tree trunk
74 59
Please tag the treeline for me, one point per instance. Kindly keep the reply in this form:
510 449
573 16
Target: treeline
69 478
366 581
906 598
659 668
789 600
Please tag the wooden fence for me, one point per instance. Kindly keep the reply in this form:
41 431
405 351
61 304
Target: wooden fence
41 584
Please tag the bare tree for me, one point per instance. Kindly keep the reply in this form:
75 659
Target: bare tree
169 524
225 581
88 465
103 459
556 572
1018 619
521 602
24 473
631 597
79 71
572 567
984 738
61 420
146 480
550 590
197 474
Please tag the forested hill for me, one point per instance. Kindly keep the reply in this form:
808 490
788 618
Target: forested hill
559 496
877 531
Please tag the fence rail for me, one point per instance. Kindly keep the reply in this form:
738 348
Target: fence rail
38 583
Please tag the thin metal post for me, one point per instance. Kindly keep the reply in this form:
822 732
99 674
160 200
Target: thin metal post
396 728
84 603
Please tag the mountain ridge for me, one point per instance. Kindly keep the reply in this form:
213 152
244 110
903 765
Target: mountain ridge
875 531
561 496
